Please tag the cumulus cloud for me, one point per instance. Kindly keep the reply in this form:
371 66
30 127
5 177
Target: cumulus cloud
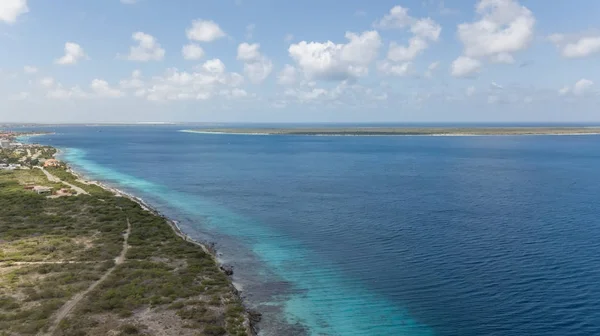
192 52
287 76
135 82
431 69
583 87
331 61
257 67
424 30
564 90
10 10
73 53
504 27
465 67
208 80
147 48
98 89
62 93
47 81
30 69
397 18
399 53
102 89
392 69
204 31
576 46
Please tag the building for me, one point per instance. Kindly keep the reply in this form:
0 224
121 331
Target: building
4 144
42 190
51 163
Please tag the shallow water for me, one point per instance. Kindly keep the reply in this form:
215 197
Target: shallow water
378 235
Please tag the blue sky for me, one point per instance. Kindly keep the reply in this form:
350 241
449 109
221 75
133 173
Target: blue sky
299 61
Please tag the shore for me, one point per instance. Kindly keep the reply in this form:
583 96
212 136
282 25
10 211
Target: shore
208 247
404 131
126 267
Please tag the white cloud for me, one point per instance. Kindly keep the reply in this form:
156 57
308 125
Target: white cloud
147 49
397 18
192 51
332 61
102 89
47 81
73 53
257 72
496 86
504 27
431 68
576 47
10 10
30 69
129 2
564 90
61 93
135 82
583 87
398 53
287 76
288 38
505 58
391 69
423 30
206 82
215 66
248 52
465 66
427 29
204 31
256 66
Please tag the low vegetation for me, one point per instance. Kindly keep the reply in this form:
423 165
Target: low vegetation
54 248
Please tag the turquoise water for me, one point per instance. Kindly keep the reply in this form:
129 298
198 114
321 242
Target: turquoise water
326 303
378 235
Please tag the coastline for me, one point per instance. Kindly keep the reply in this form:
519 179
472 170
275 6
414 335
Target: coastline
253 317
486 132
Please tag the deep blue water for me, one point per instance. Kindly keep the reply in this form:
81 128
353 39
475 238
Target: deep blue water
378 235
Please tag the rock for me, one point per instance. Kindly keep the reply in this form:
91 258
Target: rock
228 270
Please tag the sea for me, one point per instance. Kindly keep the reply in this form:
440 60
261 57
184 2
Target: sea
386 235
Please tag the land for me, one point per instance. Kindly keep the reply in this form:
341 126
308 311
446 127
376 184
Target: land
96 262
440 131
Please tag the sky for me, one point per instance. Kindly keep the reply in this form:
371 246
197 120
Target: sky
299 61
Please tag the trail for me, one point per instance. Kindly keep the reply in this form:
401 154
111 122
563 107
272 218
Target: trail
64 311
53 178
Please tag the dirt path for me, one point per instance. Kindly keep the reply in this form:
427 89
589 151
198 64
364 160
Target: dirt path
53 178
64 311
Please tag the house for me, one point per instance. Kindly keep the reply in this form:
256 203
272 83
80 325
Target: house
51 163
42 190
5 144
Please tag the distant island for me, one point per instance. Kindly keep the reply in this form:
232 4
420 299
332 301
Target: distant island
432 131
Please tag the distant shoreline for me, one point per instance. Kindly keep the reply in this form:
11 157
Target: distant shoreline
404 131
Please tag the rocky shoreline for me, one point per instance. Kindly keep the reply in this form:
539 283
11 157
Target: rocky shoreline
253 317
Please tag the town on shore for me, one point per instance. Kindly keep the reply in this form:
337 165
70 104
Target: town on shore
79 259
